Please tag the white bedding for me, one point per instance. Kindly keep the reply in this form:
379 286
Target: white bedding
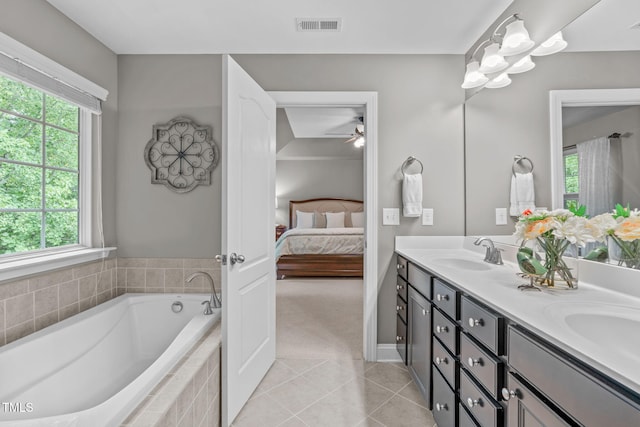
300 241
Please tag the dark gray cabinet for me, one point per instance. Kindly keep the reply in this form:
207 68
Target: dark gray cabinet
419 341
402 290
526 409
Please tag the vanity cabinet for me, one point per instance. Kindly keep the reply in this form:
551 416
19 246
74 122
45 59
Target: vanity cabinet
482 369
419 341
402 289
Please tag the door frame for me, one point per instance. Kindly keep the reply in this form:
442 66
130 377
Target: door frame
368 100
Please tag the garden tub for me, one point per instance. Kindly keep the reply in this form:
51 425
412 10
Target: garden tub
94 368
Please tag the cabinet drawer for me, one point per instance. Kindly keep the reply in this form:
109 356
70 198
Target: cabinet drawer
444 402
485 367
484 325
486 411
401 288
420 280
464 419
401 308
588 400
401 338
445 362
445 297
401 267
445 330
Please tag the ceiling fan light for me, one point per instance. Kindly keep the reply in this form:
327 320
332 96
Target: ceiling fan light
359 142
360 129
523 65
516 39
554 44
502 80
492 61
473 78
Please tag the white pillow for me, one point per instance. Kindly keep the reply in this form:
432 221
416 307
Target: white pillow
304 219
335 219
357 219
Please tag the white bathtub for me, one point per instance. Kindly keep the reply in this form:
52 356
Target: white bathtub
94 368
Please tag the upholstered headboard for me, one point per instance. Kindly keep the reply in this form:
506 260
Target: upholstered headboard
324 205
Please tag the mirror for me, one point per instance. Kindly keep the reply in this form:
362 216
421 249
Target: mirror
503 123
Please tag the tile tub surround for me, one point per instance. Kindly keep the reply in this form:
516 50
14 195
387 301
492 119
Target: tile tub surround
30 304
190 394
165 275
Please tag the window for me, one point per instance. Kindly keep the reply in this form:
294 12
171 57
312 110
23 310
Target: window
40 169
571 178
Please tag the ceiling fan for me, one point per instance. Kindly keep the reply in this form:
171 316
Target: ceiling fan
358 137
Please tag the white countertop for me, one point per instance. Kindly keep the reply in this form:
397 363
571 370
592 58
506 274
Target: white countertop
554 315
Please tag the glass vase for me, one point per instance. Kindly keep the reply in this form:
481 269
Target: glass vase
558 275
625 252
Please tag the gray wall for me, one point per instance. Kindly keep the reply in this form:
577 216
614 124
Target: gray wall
626 122
514 120
308 179
153 221
41 27
420 113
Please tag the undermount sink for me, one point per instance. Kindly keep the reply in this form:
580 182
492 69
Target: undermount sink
608 326
462 264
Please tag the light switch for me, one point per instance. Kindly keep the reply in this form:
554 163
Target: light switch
427 216
501 216
390 216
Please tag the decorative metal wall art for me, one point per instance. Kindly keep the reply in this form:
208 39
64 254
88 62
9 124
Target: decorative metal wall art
181 155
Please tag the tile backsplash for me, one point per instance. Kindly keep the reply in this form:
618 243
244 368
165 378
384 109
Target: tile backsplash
30 304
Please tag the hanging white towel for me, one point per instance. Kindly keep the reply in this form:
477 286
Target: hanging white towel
412 195
522 193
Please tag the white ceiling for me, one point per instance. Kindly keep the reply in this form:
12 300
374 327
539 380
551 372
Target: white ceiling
317 122
251 26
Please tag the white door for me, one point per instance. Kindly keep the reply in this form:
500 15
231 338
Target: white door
248 210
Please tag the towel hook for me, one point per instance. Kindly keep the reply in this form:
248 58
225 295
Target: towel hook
408 163
518 159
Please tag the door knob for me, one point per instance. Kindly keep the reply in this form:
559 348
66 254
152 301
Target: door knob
235 258
222 259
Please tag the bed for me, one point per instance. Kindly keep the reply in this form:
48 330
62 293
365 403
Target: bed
312 249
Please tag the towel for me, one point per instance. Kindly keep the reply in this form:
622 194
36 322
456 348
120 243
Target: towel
522 193
412 195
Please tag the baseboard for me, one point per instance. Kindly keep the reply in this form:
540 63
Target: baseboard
387 353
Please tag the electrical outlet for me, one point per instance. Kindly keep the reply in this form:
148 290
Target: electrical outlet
390 216
427 216
501 216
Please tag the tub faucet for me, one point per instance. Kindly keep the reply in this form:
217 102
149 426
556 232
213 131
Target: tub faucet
214 301
492 255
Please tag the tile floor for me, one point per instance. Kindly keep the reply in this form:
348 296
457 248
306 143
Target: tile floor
330 390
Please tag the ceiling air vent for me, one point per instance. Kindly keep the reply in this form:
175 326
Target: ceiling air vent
319 24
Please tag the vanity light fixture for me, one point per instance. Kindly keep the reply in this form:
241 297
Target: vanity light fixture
553 44
516 39
502 80
492 61
523 65
473 77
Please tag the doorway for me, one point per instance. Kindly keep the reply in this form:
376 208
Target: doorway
368 102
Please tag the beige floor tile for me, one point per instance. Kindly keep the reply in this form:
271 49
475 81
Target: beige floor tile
297 394
357 366
400 412
331 411
301 365
388 376
411 392
370 422
329 376
362 395
279 373
293 422
261 411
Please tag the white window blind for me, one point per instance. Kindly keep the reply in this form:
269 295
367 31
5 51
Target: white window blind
25 64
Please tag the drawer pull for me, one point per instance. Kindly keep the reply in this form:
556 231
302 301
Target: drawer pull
441 297
473 362
399 308
441 407
475 322
471 403
399 287
440 361
442 329
399 338
508 394
424 312
399 266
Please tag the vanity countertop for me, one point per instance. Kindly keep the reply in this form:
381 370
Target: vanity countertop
595 324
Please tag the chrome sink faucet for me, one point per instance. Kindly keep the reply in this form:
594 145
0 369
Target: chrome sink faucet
492 254
214 301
